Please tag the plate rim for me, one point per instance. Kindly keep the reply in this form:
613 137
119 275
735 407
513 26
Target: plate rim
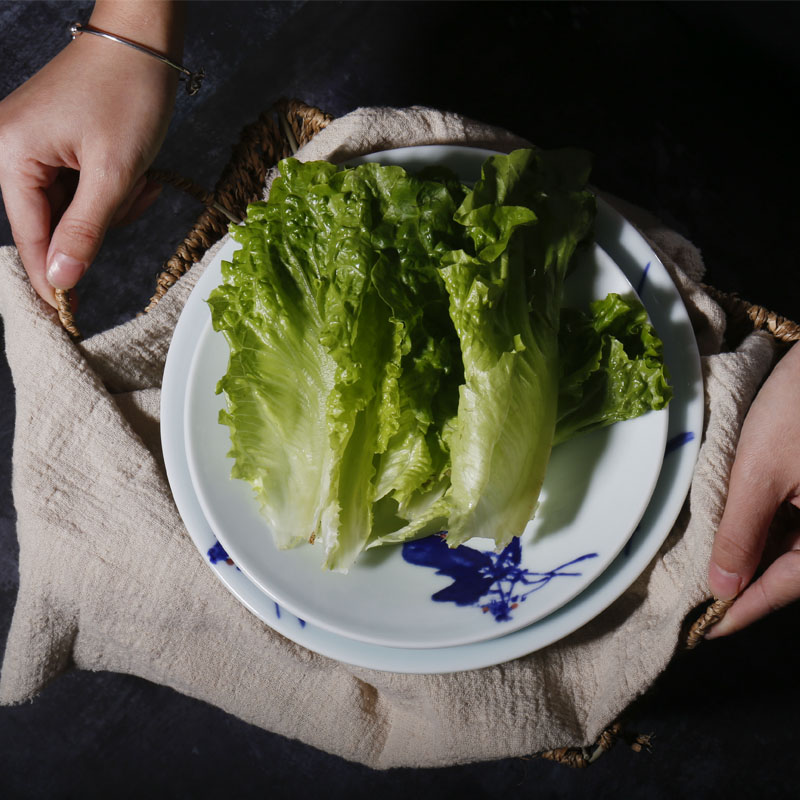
511 644
270 578
292 579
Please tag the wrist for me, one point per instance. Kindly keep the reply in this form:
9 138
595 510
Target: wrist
155 24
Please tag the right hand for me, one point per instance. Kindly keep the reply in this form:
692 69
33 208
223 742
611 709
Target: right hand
97 112
765 474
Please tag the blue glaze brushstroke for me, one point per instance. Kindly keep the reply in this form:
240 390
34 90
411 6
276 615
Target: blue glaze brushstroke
278 615
629 544
643 279
217 553
486 580
677 441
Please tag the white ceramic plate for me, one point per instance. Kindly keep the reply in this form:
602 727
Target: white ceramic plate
643 269
596 490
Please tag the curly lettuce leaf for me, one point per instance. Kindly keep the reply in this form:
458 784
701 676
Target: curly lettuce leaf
611 366
396 366
523 220
344 366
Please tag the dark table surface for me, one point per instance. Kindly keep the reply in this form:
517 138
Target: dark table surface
690 112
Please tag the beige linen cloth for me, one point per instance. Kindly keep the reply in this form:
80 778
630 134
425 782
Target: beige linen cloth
110 580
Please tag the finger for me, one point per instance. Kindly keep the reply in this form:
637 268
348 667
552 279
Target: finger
739 541
776 588
80 232
60 194
139 204
764 474
59 197
784 535
28 212
129 200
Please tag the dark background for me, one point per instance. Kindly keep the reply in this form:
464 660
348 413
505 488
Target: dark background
690 111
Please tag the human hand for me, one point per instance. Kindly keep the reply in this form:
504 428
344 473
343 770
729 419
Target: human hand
765 474
76 139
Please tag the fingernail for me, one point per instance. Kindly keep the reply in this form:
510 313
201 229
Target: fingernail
64 271
139 185
724 585
150 194
721 628
153 188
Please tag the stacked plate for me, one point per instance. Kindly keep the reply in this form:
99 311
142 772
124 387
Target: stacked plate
608 502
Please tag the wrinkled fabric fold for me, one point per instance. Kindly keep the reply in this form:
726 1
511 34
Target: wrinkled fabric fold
110 579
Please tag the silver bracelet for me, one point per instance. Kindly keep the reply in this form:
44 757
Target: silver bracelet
193 79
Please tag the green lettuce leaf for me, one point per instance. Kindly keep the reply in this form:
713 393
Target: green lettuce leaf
396 366
523 219
611 366
344 365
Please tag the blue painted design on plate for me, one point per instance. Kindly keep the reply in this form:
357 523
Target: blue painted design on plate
679 440
643 279
490 581
676 442
217 553
629 544
278 615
